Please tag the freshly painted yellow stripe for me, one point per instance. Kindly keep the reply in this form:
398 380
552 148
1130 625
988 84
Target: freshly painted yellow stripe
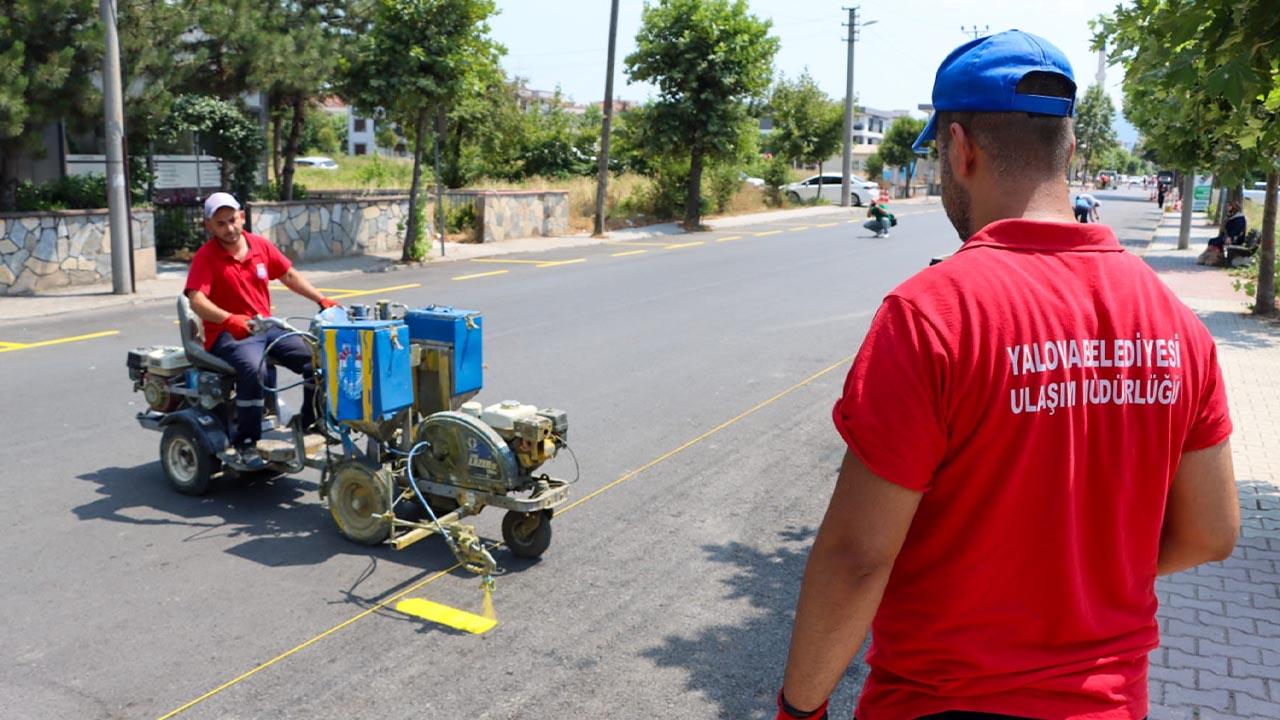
630 252
445 615
557 263
344 294
681 245
796 229
635 243
444 573
770 232
727 239
10 347
480 275
517 262
826 224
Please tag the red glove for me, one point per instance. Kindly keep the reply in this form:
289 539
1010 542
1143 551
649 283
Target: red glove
326 303
237 325
786 712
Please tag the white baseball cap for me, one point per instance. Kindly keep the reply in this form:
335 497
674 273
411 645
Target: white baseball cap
217 201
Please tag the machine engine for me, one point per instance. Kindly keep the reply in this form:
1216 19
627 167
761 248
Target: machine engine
494 449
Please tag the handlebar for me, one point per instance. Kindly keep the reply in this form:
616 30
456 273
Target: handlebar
260 324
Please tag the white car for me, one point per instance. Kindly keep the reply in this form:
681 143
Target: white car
827 185
318 162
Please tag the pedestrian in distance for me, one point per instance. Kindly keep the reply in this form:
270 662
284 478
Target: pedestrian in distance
1036 428
227 287
1086 208
881 219
1161 189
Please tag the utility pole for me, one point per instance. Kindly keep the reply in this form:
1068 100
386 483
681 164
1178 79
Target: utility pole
975 31
847 165
113 108
602 185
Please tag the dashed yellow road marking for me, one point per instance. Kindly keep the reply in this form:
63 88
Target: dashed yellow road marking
445 615
727 239
631 252
480 275
682 245
557 263
635 243
796 229
11 346
504 260
769 232
344 294
826 224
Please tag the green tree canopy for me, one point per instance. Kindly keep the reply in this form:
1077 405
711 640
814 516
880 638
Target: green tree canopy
49 50
1095 129
420 57
226 131
708 59
807 124
896 150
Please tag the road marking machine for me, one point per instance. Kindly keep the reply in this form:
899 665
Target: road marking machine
403 449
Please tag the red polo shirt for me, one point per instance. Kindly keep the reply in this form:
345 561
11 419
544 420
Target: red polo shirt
240 287
1038 387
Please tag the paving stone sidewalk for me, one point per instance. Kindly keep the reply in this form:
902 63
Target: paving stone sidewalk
1220 623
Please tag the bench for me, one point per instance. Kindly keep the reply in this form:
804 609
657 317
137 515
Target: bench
1245 249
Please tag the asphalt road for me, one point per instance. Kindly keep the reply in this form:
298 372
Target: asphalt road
698 375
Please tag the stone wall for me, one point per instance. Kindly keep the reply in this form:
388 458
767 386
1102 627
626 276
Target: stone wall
319 229
508 214
49 250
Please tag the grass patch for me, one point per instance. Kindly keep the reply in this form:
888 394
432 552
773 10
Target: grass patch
362 173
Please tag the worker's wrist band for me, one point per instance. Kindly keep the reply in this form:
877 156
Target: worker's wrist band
792 712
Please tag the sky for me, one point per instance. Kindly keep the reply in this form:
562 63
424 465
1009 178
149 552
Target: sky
564 43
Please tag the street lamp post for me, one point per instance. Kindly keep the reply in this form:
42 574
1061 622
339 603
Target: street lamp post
847 164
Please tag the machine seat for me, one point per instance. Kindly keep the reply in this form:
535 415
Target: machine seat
192 330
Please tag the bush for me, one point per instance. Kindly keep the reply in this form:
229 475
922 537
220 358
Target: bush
723 183
74 192
775 175
459 218
419 244
274 191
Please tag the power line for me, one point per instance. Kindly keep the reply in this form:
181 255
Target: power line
975 30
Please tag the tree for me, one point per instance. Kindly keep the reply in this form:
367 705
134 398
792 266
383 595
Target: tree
895 150
1095 128
419 58
226 131
708 58
875 167
49 50
807 124
1203 80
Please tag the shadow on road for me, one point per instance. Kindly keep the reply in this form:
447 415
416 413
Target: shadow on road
740 666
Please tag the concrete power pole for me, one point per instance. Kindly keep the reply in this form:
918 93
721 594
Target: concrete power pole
602 184
113 106
846 166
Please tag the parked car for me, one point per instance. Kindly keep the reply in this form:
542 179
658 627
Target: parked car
316 161
752 181
827 185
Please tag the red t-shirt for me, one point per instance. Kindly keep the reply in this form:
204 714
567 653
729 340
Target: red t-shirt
1038 387
239 288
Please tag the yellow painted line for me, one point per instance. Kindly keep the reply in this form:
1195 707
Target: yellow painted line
443 573
344 294
770 232
826 224
802 227
445 615
557 263
517 262
480 275
632 252
681 245
727 239
10 347
641 244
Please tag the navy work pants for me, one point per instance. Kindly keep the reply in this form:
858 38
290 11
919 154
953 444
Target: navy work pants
246 357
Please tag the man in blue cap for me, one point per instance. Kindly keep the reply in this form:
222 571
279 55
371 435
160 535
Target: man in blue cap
1036 429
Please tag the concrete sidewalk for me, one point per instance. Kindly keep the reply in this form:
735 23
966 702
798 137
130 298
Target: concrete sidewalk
170 276
1220 624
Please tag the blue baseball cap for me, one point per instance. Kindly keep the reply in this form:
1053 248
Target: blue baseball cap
982 75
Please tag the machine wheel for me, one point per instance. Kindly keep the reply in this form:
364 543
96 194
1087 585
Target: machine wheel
189 468
357 495
793 197
527 534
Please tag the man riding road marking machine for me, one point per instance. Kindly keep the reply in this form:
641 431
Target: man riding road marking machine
400 382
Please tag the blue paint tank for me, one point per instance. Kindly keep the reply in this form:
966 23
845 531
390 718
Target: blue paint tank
460 330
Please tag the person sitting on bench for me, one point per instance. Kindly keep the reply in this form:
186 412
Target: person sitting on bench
1233 229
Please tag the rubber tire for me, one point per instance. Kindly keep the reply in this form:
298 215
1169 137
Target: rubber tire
794 197
855 199
187 466
523 542
366 532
